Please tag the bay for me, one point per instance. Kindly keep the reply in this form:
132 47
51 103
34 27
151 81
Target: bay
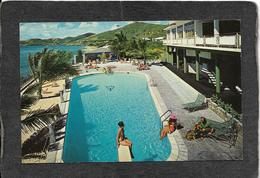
25 50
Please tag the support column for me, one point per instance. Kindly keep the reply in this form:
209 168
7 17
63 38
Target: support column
183 31
177 59
195 31
173 55
168 56
216 31
197 66
217 71
216 27
75 59
83 58
165 54
184 61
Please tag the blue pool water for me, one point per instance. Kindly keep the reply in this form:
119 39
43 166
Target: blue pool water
25 50
94 112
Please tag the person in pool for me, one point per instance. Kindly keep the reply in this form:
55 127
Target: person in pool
121 139
170 128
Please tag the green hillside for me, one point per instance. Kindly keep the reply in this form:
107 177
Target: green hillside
55 41
136 29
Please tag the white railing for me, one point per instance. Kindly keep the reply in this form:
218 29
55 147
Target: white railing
233 41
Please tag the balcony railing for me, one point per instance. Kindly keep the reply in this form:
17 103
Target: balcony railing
229 41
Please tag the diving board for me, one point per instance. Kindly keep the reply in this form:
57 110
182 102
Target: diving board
124 154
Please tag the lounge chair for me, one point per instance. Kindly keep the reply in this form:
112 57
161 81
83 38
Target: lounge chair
199 103
226 131
223 131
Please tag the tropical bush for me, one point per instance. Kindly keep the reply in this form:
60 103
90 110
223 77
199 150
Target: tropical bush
136 48
227 107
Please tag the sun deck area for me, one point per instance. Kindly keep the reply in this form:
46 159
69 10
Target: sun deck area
171 92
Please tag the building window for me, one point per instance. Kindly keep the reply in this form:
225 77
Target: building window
208 29
174 33
189 29
229 27
180 31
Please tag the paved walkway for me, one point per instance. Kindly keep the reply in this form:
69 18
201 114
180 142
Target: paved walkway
175 92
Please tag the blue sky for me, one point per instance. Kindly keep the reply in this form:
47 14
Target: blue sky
64 29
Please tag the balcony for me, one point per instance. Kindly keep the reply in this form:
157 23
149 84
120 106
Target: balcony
228 41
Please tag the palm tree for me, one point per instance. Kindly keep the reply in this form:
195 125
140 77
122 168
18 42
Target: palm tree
50 65
132 49
118 45
142 46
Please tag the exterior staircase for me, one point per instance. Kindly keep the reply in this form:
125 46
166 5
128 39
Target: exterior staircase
211 76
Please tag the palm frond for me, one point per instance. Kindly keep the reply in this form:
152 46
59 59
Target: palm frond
32 89
39 118
27 100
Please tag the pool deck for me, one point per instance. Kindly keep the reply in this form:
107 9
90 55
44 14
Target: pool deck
168 92
175 92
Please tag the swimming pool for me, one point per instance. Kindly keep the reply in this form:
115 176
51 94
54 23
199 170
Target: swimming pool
97 103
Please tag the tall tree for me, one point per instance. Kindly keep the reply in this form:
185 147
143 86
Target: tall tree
118 45
142 46
50 65
79 56
132 49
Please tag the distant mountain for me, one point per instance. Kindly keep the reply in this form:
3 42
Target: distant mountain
55 41
136 29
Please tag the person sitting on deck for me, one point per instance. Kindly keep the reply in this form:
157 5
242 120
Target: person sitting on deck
170 128
121 139
202 128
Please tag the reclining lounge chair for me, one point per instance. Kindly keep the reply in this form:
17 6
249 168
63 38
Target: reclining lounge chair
199 103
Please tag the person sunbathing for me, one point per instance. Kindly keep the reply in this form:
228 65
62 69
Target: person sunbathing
170 128
202 128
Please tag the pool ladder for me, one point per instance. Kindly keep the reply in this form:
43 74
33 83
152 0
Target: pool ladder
169 112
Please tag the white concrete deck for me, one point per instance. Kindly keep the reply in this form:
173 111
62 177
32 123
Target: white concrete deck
124 154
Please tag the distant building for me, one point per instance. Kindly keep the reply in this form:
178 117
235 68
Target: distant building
147 39
208 49
93 53
159 38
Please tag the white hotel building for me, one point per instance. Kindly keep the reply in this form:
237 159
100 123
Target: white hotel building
207 49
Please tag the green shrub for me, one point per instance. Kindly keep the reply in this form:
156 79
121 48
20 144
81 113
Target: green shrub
227 107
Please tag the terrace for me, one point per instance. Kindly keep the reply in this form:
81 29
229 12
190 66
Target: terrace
221 35
173 92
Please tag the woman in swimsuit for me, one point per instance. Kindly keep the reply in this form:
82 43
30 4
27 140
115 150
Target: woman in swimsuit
170 128
121 139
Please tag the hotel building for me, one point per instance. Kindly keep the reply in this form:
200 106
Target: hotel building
208 50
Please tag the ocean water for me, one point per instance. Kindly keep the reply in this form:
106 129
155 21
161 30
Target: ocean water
97 103
25 50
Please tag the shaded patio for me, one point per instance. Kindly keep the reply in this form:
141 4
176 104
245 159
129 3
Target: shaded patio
207 89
